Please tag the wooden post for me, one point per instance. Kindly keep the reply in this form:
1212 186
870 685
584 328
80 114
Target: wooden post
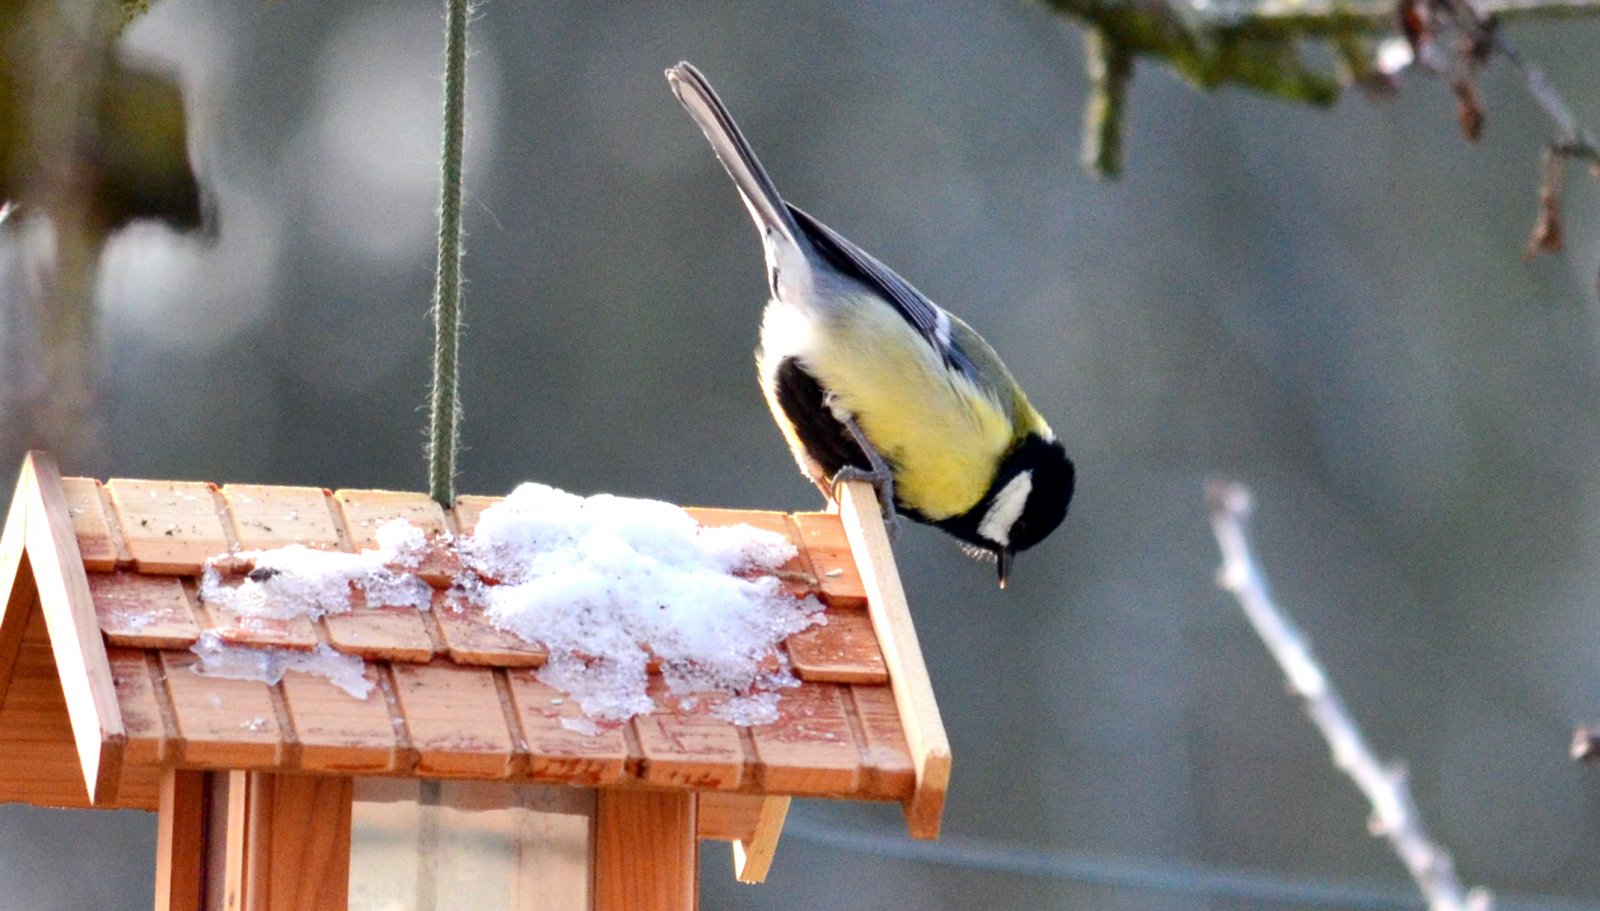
288 842
646 853
181 842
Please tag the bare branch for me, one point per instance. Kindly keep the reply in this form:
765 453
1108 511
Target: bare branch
1316 18
1547 235
1258 44
1394 814
1110 67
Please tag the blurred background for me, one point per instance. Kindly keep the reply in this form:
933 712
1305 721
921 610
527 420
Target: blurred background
1326 305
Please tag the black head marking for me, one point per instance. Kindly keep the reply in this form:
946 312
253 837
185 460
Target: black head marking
1051 479
1054 479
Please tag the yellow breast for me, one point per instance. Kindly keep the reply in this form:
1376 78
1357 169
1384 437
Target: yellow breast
943 435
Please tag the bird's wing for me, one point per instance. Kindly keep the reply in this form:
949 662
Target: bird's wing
932 323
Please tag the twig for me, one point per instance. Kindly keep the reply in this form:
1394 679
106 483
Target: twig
1110 67
445 410
1394 814
1482 25
1477 39
1257 44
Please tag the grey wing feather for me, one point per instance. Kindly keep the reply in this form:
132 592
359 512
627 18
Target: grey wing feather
929 321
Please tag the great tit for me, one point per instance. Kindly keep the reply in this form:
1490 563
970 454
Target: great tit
867 378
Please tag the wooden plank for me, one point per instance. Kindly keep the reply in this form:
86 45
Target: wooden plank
141 709
689 748
180 841
555 863
890 772
830 551
467 511
170 527
908 673
242 629
118 542
556 753
21 596
40 764
142 611
89 525
239 879
304 822
379 633
752 822
338 732
844 649
646 853
752 857
140 789
215 835
456 720
797 574
224 724
366 511
471 639
810 749
38 756
728 815
75 640
267 517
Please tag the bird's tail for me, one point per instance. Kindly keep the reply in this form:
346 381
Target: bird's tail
761 197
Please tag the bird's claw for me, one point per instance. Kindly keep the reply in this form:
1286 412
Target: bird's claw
882 484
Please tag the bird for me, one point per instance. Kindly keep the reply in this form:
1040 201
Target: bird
870 380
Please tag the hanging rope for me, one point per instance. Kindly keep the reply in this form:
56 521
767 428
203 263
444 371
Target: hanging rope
445 411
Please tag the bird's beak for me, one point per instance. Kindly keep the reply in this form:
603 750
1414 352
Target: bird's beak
1003 558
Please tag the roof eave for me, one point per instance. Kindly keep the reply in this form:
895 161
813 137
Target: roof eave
38 536
16 593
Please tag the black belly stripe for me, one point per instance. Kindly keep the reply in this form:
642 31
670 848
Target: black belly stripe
826 440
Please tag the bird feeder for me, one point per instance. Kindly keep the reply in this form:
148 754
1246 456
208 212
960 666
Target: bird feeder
455 776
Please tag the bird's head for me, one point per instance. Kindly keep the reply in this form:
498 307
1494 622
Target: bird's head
1025 503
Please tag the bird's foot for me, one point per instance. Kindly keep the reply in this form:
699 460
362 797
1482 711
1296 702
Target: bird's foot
882 484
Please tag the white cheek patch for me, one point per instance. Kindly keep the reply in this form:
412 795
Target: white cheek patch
1006 509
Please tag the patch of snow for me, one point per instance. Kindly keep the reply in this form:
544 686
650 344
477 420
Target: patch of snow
604 583
267 665
299 581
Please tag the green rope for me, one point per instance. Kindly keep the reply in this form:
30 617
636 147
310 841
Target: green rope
446 400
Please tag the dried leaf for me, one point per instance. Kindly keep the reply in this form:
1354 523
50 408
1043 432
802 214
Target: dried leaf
1469 108
1414 24
1546 236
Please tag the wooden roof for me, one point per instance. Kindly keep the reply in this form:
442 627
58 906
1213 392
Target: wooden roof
97 693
